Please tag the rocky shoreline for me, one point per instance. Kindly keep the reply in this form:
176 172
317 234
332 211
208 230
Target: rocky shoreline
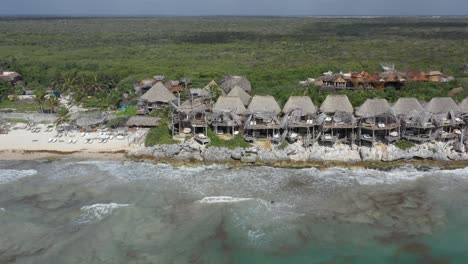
294 155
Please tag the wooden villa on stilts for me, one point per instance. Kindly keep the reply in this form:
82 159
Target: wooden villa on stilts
416 124
377 122
447 118
299 120
262 120
336 120
227 115
156 97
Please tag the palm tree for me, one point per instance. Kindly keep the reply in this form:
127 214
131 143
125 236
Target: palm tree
52 103
63 116
40 95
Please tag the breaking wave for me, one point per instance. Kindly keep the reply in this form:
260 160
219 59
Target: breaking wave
96 212
7 176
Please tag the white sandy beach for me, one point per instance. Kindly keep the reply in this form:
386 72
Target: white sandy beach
22 141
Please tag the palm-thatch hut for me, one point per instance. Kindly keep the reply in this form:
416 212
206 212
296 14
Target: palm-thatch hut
262 118
299 114
239 92
230 82
447 117
143 121
190 117
416 123
377 121
155 97
336 120
227 115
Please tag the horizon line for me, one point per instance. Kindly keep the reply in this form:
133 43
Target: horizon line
231 15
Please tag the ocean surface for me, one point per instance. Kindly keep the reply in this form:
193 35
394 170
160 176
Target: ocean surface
69 211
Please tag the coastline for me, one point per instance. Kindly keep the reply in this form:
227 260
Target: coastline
123 155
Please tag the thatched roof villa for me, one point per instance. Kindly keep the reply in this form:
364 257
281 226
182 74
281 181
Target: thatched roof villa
336 119
230 82
416 123
227 112
377 117
239 92
263 114
447 117
299 112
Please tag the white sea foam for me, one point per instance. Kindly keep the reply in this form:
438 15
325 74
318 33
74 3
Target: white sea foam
96 212
7 176
223 199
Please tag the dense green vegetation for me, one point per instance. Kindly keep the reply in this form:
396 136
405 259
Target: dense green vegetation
158 136
404 144
103 57
236 142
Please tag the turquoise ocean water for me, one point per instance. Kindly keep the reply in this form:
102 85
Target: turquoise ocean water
70 211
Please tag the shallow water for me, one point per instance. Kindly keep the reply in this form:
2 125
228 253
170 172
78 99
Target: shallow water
123 212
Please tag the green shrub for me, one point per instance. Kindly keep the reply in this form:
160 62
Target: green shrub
129 111
283 145
404 144
236 142
159 135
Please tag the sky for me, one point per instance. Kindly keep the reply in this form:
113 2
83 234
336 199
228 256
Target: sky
234 7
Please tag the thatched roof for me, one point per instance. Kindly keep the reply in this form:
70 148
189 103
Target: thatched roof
244 97
230 82
158 94
197 105
229 104
439 105
374 107
302 103
264 104
90 119
406 105
464 105
143 121
336 103
200 92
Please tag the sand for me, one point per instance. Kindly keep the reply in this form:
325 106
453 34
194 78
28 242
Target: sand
24 144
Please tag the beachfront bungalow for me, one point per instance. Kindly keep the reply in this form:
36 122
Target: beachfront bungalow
243 96
262 119
155 98
416 124
336 120
190 117
229 82
227 115
377 122
447 117
299 119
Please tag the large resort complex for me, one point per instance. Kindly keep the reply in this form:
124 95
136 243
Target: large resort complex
229 111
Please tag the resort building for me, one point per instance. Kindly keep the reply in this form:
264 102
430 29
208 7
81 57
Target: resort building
262 119
228 112
416 123
243 96
155 98
447 117
299 119
377 122
337 120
